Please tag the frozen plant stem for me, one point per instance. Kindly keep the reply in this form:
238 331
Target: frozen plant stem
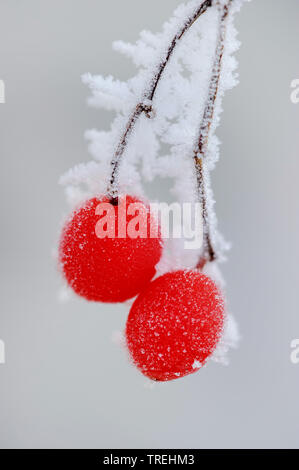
201 150
146 105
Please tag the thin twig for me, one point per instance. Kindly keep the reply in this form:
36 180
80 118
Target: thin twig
145 106
209 252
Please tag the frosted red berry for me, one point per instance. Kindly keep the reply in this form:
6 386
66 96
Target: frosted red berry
175 325
110 269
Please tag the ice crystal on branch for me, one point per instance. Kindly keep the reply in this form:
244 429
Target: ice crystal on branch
178 104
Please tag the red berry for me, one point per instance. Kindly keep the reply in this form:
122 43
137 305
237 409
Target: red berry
109 269
175 325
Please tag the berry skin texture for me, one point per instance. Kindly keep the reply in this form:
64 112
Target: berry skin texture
175 325
110 269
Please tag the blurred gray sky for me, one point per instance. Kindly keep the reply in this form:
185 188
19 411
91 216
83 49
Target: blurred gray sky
65 384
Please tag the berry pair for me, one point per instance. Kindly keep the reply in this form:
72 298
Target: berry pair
176 321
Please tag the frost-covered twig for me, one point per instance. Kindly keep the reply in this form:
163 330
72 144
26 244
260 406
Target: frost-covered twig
209 252
146 105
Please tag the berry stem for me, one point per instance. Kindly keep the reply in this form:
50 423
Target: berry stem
200 153
145 106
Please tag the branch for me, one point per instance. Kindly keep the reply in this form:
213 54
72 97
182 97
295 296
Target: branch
145 106
200 153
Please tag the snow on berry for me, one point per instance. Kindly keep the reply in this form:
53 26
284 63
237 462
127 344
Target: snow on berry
175 325
114 267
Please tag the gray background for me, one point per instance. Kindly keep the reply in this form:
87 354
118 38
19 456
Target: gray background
65 384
